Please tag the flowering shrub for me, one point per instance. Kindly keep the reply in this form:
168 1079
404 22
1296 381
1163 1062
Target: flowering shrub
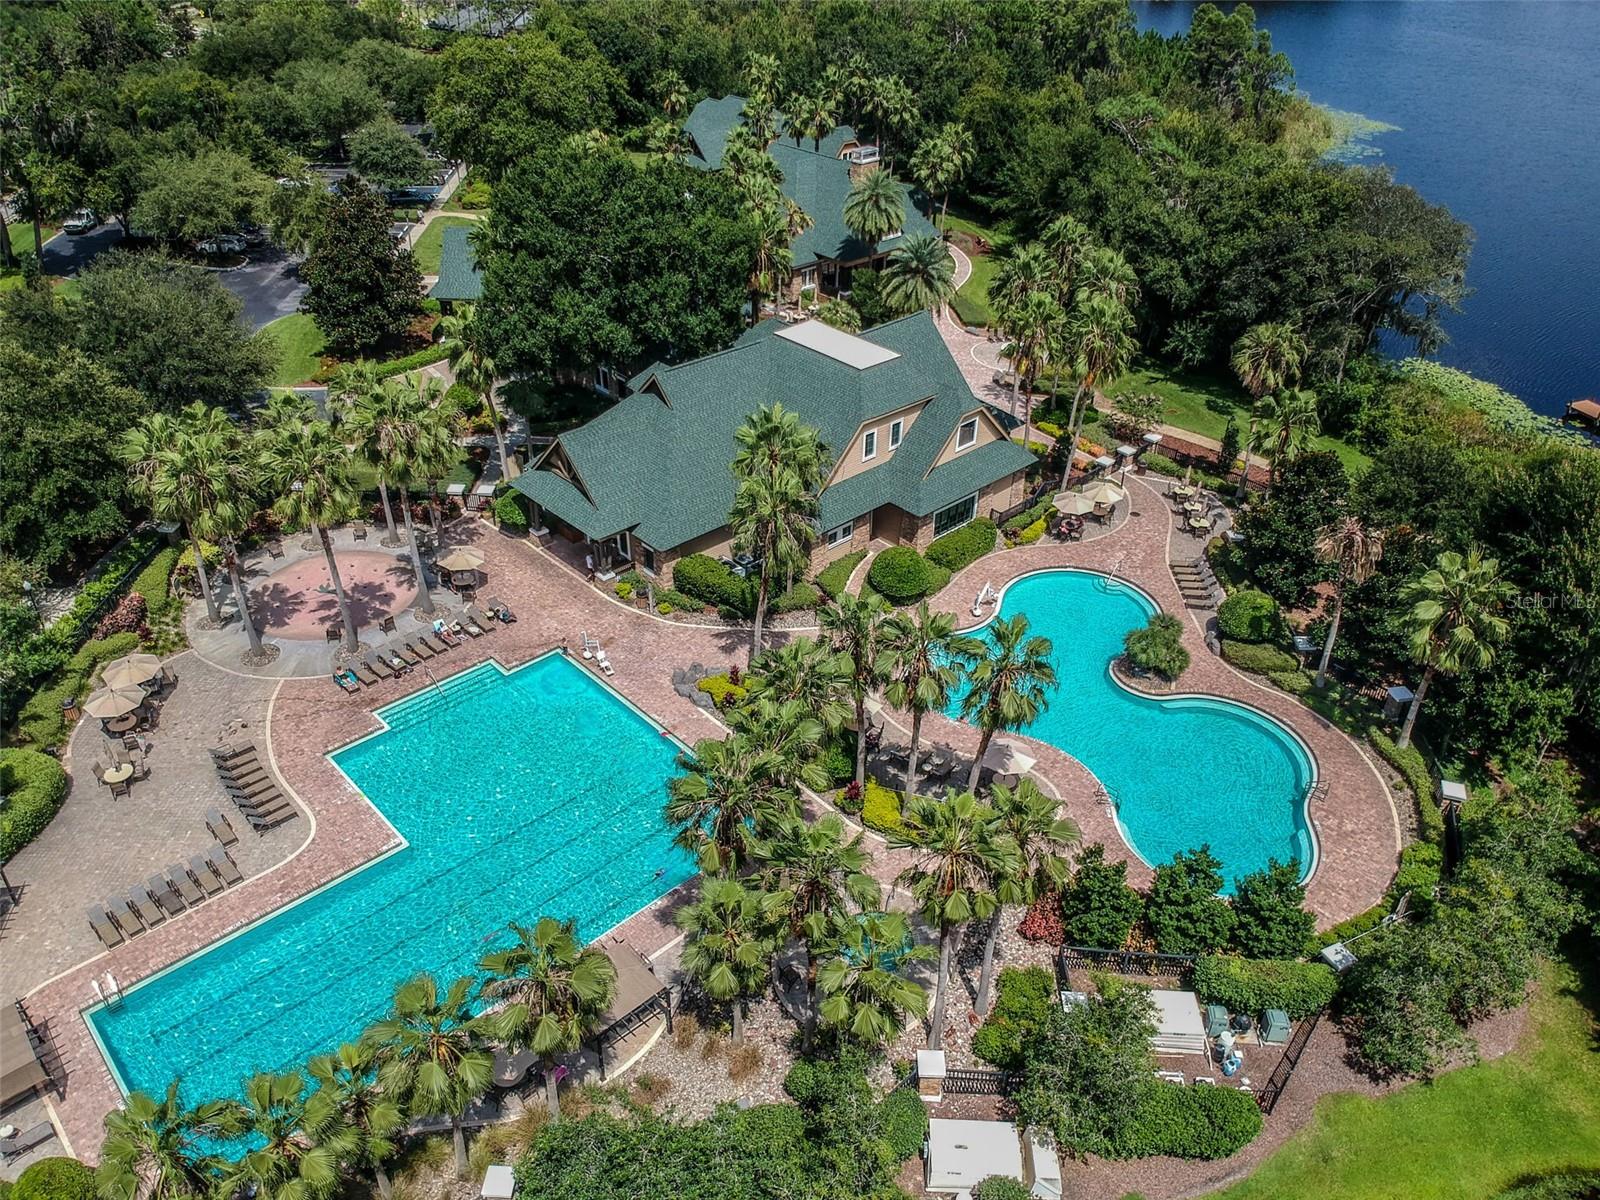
127 617
1043 921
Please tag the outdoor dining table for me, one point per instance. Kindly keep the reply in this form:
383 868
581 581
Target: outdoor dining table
120 773
1194 506
1199 523
123 724
1182 492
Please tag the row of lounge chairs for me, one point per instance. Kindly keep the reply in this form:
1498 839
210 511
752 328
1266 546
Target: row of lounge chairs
251 788
374 668
179 888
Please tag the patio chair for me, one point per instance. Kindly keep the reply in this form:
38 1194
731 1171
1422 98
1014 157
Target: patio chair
21 1143
275 548
144 903
421 649
483 616
502 613
166 895
605 663
178 876
334 633
273 817
219 861
359 530
590 645
437 646
201 872
364 673
104 927
220 827
345 683
379 667
469 628
127 920
386 625
406 655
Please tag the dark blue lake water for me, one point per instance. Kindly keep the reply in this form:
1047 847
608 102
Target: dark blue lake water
1498 113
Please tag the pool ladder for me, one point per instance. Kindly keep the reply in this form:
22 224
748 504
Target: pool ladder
111 994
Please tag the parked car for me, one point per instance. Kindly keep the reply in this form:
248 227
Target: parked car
223 243
82 220
253 235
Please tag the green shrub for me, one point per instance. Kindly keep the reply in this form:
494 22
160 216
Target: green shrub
1023 1000
801 597
1032 533
833 577
1097 904
722 690
880 809
39 723
1414 770
1253 985
1038 512
1160 464
34 785
55 1179
713 583
1000 1187
904 1122
962 547
512 512
1190 1122
669 600
838 759
1581 1185
1296 683
1421 868
154 583
411 362
1259 658
1158 646
184 576
900 575
624 589
1248 616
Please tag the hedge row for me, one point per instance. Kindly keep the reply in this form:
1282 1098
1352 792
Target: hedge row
1190 1122
1421 868
1160 464
962 547
833 577
154 583
1414 769
34 785
1253 985
1022 520
714 583
1259 657
511 511
40 723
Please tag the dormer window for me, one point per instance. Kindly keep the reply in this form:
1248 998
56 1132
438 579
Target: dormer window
896 431
869 445
966 433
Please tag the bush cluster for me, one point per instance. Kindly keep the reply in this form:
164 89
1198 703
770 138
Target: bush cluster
1259 658
34 785
1414 769
154 583
1248 615
1253 985
1160 464
127 616
1190 1122
1032 533
55 1179
1023 999
185 577
40 722
1039 512
838 759
900 575
714 583
1158 646
512 512
962 547
722 690
1000 1187
833 577
801 597
904 1120
880 808
1421 867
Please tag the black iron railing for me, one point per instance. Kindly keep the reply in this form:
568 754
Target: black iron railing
1267 1097
1122 962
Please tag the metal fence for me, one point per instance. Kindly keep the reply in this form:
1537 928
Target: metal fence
1267 1097
980 1083
1122 962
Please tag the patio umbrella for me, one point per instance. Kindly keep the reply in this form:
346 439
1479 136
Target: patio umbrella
111 702
463 558
1073 503
1104 492
131 670
1007 758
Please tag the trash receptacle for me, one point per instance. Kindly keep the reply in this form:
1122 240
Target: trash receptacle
1216 1019
1274 1027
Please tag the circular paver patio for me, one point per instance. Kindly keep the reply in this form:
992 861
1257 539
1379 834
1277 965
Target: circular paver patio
297 601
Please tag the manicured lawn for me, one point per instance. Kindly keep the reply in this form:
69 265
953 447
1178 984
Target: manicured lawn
430 246
1466 1136
301 345
972 299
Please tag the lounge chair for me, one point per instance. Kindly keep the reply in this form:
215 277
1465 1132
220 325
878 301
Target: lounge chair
145 904
275 549
605 663
421 649
470 629
127 920
219 861
359 530
260 803
187 888
364 673
220 827
482 616
345 683
334 633
406 655
248 782
502 613
166 895
272 818
104 927
200 871
21 1143
380 667
237 750
446 639
386 625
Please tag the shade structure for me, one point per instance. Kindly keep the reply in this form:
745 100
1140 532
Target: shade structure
1005 757
1104 492
1073 503
20 1072
131 670
111 702
463 558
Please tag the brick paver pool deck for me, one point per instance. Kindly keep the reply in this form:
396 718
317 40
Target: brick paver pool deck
1356 826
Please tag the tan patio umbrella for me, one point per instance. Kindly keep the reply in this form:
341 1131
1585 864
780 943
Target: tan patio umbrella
131 670
1073 503
1104 492
111 702
462 558
1007 758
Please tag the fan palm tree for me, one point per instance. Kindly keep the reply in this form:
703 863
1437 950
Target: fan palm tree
778 469
372 1121
958 852
1099 337
309 467
865 993
730 793
1268 357
1011 682
923 658
819 114
773 261
919 275
293 1142
1288 423
1454 623
856 628
160 1150
381 420
425 451
430 1056
462 339
728 944
814 873
807 670
553 991
1102 271
1066 241
762 72
354 388
874 208
673 94
940 163
1021 272
1037 327
1354 550
893 108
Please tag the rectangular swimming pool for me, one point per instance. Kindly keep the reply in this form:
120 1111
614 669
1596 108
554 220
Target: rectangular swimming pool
521 794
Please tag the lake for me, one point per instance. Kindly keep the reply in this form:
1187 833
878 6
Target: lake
1497 109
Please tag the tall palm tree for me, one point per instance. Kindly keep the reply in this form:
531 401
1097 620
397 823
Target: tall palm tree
729 794
893 108
1025 269
372 1120
866 995
940 163
1011 682
666 141
430 1056
309 467
1104 272
1354 550
161 1150
814 874
920 275
1037 327
1455 622
462 338
293 1143
763 72
808 670
787 735
778 469
553 990
728 944
1099 335
673 94
353 395
958 852
874 208
773 261
856 628
1268 357
1288 423
819 113
1067 243
923 658
424 451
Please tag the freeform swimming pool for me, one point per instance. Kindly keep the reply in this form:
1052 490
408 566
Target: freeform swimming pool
528 793
1181 771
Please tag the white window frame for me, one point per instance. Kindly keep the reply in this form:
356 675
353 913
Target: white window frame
841 535
972 516
869 445
897 431
973 440
623 545
645 549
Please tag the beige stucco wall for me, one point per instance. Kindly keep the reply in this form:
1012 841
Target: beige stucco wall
988 431
850 461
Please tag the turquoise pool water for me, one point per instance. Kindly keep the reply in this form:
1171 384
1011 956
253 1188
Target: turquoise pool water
531 793
1181 772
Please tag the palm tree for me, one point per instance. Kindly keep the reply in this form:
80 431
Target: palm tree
372 1121
1011 680
866 996
941 161
1354 550
920 274
727 944
1032 822
729 794
819 113
807 670
856 628
1455 622
160 1150
787 735
424 451
1289 424
773 259
924 657
1102 271
959 851
778 470
762 71
381 421
1099 334
462 338
554 992
1020 273
1268 357
874 208
673 94
430 1058
1067 243
893 107
293 1143
814 873
353 395
666 141
1037 326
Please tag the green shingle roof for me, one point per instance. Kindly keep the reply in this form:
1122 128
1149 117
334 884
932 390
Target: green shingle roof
459 277
660 466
